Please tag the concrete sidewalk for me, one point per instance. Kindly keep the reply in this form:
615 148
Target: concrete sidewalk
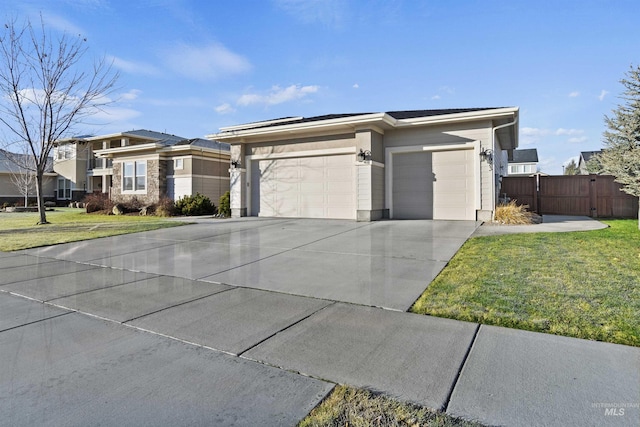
164 347
549 224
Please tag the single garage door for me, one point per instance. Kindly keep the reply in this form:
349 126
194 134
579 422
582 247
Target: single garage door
434 185
304 187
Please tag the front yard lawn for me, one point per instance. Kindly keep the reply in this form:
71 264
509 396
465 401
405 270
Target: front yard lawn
581 284
19 230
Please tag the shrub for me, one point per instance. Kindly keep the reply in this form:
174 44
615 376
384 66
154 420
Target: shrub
165 207
97 202
197 204
512 213
225 205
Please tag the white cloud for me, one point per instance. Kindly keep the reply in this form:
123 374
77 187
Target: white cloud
61 24
533 131
132 67
131 95
277 95
331 13
603 93
574 94
225 109
356 86
562 131
435 97
213 61
577 140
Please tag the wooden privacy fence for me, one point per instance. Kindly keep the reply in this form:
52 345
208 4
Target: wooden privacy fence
597 196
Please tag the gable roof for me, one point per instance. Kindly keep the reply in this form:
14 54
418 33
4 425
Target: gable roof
586 155
529 155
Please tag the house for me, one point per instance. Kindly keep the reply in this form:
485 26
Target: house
585 156
14 179
435 164
141 164
523 162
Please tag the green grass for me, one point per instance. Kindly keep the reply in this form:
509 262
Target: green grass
20 230
580 284
350 407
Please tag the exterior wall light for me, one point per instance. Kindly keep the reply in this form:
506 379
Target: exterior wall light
363 155
487 155
235 164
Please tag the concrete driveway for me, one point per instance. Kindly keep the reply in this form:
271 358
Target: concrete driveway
382 264
182 326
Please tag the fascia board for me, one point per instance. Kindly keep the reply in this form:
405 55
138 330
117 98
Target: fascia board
351 122
459 117
127 149
196 149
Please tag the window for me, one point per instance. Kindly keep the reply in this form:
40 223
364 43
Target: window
64 188
64 152
177 164
134 176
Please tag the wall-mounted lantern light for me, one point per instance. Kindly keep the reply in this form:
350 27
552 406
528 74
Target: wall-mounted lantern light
363 155
487 155
235 164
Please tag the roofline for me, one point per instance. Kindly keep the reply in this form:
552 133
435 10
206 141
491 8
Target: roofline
111 136
380 119
127 149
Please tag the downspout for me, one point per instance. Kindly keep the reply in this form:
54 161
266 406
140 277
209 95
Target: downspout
493 148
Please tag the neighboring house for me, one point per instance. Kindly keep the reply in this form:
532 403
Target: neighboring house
141 164
10 179
585 156
523 162
433 164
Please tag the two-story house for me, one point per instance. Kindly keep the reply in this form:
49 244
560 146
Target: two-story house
523 162
143 164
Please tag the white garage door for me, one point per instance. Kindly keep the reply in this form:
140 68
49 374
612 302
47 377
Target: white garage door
178 187
305 187
434 185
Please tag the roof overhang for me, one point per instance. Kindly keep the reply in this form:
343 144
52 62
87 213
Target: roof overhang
129 149
380 122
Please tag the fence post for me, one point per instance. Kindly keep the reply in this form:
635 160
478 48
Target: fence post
593 196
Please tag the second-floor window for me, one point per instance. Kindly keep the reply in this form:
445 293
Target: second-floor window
134 176
64 152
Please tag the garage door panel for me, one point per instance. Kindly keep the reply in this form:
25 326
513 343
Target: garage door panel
306 187
434 185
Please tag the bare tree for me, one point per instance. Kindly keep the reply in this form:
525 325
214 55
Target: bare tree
46 91
23 174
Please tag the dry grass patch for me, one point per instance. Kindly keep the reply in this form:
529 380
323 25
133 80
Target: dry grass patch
350 407
512 213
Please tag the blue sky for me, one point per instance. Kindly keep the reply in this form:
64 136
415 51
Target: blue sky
189 67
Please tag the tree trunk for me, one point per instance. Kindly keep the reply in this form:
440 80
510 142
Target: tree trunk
638 212
40 197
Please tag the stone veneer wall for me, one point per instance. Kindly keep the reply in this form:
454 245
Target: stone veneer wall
156 183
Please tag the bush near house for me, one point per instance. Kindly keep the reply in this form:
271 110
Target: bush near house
165 207
225 204
197 204
97 202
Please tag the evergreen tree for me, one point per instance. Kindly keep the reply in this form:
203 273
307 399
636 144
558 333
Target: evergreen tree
621 155
571 168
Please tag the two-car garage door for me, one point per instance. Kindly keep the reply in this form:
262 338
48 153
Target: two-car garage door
304 187
424 185
434 185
